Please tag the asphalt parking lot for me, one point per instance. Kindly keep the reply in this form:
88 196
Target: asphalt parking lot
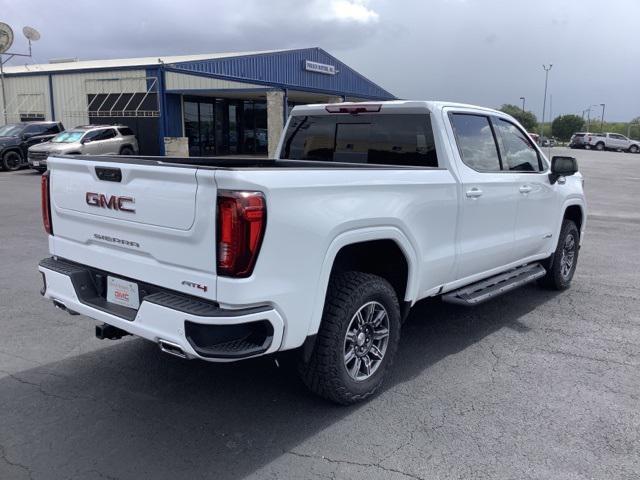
538 384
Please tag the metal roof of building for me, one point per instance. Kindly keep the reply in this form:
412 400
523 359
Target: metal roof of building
280 68
125 62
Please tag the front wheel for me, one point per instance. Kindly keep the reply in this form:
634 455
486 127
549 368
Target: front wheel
561 266
11 161
633 149
357 340
600 147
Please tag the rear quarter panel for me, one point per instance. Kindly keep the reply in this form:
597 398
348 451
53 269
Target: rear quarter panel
311 213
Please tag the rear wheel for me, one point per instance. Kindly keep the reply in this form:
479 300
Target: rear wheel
633 149
357 340
126 151
11 161
561 266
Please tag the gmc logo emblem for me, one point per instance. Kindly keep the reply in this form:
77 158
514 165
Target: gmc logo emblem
112 202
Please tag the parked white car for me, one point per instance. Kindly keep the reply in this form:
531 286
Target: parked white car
89 139
367 209
611 141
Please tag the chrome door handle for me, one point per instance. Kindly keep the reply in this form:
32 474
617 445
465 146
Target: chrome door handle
525 189
475 192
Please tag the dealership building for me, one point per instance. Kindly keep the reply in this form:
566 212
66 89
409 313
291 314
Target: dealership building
211 104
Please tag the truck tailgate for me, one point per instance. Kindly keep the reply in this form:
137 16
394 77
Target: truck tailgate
136 220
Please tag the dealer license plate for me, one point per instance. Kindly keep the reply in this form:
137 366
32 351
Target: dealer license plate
122 292
36 164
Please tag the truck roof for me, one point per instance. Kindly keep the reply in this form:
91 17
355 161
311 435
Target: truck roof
409 106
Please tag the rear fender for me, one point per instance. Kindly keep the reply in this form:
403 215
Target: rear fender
358 236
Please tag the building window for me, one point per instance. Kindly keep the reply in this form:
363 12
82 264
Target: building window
216 126
32 117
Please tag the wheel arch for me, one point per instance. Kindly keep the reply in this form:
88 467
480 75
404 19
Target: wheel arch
573 209
372 241
126 145
12 148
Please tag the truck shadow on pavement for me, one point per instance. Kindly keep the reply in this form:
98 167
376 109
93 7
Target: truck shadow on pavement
128 411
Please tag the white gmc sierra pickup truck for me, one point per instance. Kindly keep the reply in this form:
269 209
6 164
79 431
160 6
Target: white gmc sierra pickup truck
367 209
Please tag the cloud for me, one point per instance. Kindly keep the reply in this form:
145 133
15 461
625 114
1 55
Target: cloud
353 11
486 52
87 30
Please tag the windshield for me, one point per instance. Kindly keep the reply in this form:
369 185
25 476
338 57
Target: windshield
67 137
11 130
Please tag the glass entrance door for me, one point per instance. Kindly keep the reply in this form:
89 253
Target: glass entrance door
216 126
234 131
199 128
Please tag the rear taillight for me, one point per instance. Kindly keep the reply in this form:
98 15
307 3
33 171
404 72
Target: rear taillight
242 217
46 203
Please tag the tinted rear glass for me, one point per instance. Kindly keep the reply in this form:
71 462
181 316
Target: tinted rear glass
125 131
405 139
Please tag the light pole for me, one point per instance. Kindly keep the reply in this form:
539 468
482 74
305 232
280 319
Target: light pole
544 102
522 98
602 118
589 115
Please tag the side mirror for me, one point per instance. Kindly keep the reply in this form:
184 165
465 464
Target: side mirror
562 167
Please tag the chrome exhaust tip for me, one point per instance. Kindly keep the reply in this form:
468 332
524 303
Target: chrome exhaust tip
171 348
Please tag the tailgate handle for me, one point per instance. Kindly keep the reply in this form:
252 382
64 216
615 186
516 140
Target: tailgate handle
109 174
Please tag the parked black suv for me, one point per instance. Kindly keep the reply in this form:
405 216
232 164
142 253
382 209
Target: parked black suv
16 138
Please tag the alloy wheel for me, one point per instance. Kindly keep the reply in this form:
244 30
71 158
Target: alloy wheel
366 341
568 256
12 161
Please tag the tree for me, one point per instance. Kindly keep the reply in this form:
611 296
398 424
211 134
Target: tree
527 119
566 125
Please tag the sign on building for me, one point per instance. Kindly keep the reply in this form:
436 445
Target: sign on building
319 67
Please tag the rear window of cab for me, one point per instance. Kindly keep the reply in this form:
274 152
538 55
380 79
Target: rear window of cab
381 139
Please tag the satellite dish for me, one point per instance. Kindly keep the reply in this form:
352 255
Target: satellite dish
6 37
31 33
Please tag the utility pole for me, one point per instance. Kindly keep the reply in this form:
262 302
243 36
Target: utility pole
522 98
32 35
4 101
602 118
589 118
544 102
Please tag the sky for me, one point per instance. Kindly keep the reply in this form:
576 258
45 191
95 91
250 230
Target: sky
485 52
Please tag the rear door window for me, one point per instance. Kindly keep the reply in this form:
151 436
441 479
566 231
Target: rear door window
39 129
476 142
383 139
108 133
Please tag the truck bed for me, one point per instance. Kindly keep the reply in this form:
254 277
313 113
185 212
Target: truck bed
239 163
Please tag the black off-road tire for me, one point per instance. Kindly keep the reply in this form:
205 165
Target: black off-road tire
126 151
12 161
633 149
555 279
325 374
